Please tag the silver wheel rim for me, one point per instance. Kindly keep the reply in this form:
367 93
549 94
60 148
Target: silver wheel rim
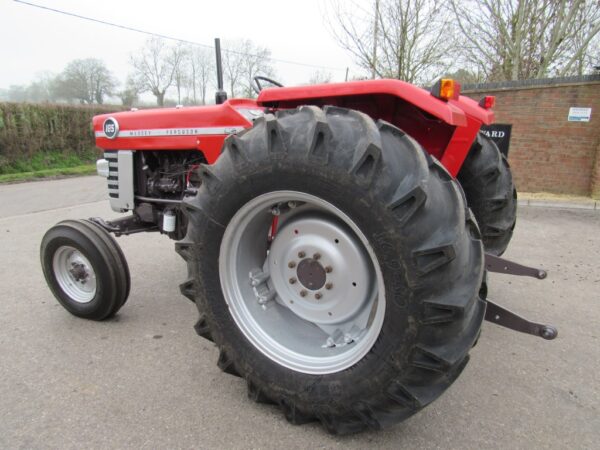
74 274
314 301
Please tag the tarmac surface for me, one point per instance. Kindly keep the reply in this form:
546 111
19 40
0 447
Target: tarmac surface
146 380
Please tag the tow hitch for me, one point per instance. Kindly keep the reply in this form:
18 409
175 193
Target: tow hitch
506 318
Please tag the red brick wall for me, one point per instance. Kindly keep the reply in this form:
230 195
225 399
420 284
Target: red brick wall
596 175
548 153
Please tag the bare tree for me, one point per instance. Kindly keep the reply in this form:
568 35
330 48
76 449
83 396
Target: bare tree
201 71
130 93
44 88
586 43
155 67
320 77
520 39
466 76
232 68
179 58
406 39
242 61
85 80
16 93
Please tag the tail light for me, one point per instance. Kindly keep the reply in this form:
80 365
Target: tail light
487 102
446 89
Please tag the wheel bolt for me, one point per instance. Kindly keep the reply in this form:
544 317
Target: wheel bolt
291 264
303 293
317 256
318 295
328 269
328 286
301 254
292 280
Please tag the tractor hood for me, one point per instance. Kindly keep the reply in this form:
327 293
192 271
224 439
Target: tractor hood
181 128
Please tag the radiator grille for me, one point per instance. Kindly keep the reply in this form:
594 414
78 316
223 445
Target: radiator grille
113 173
120 179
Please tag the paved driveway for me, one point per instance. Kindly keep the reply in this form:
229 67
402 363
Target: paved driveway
145 380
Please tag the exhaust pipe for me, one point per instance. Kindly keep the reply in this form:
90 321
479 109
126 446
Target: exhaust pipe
220 95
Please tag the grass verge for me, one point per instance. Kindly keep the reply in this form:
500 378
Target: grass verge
84 169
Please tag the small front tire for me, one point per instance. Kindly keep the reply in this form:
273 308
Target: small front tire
85 269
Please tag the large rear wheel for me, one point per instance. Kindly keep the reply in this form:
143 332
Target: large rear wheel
336 267
491 194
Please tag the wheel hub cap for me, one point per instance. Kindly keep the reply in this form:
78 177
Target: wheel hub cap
311 274
341 263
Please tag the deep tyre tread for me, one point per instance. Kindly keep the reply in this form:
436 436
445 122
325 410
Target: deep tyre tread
112 272
487 181
202 328
118 255
424 236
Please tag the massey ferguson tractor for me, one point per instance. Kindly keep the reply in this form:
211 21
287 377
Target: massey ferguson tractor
337 238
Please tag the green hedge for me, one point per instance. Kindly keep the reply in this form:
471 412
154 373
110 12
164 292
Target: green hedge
44 136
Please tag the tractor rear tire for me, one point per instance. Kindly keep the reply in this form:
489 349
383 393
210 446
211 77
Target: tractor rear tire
348 193
85 269
491 194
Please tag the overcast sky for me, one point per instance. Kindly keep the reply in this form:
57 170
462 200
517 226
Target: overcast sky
34 40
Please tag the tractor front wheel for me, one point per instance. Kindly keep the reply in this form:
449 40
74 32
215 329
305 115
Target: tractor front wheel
85 269
336 267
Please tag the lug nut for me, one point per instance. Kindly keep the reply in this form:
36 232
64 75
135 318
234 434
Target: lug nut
328 286
317 256
318 295
328 269
291 264
292 280
303 293
301 254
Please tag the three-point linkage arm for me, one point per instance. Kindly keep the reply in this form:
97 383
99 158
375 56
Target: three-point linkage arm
506 318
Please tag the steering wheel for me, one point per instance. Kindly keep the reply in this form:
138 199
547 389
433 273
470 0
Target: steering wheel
257 87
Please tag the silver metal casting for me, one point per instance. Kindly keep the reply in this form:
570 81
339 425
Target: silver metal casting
313 300
74 274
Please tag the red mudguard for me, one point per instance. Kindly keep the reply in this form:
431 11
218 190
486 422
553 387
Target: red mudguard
332 92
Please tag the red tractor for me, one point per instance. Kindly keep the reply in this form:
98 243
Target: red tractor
337 238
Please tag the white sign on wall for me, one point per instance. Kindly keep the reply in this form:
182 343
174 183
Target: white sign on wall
579 114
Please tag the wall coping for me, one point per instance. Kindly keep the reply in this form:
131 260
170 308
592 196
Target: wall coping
531 84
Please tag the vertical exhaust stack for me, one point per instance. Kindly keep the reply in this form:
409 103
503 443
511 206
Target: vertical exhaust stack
220 95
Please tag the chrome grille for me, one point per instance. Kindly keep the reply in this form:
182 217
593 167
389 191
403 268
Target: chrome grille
113 173
120 179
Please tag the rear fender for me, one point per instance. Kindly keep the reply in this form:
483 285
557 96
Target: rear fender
434 123
445 129
463 137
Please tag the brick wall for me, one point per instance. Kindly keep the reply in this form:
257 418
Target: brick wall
548 153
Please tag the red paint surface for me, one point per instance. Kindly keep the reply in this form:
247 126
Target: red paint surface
445 129
225 115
